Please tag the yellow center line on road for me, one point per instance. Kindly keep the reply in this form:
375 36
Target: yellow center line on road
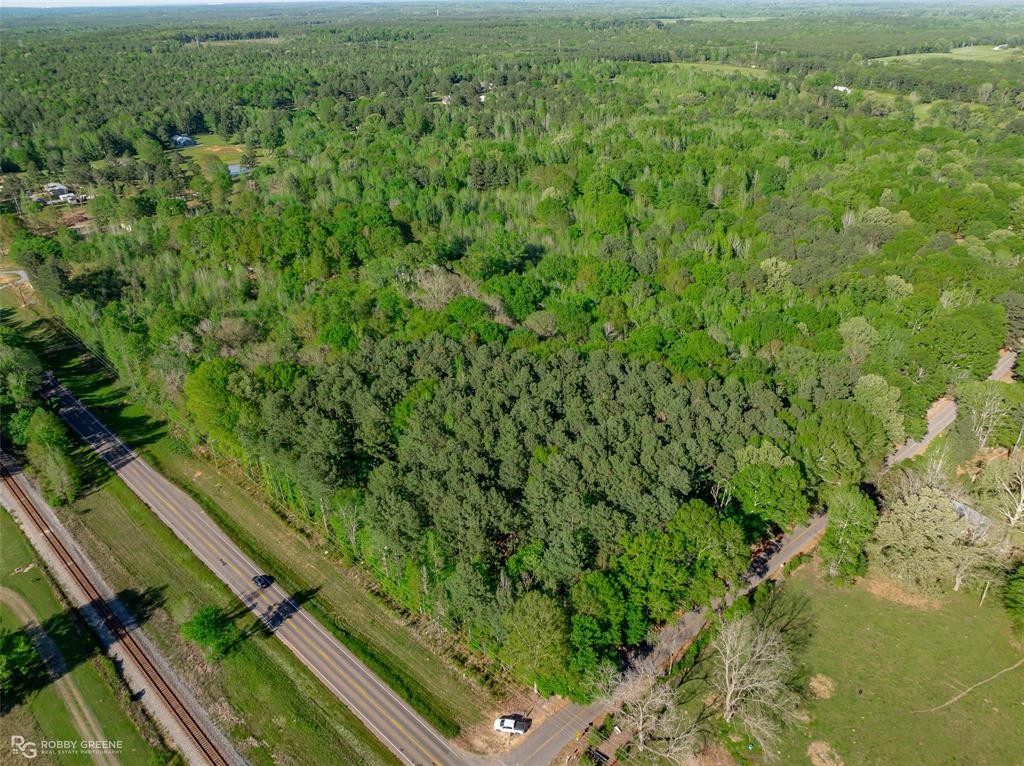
298 635
571 723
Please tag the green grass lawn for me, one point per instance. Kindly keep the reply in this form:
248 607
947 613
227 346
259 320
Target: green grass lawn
43 714
970 53
889 661
383 638
722 69
210 144
890 666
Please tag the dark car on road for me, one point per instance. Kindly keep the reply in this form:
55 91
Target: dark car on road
262 581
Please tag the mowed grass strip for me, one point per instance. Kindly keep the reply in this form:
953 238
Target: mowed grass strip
888 661
988 53
44 713
210 144
441 692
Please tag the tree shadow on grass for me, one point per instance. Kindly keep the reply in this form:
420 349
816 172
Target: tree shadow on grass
93 472
70 633
90 381
788 613
270 617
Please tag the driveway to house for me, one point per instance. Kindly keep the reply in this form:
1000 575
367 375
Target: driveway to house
20 278
940 417
1004 367
944 411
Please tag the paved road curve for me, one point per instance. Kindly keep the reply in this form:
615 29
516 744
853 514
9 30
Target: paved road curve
1004 367
20 278
384 713
943 412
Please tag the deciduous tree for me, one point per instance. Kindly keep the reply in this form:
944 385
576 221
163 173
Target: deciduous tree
753 668
851 522
536 645
925 545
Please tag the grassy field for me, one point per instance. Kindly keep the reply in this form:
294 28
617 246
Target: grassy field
989 53
883 671
889 661
44 714
726 69
210 144
383 639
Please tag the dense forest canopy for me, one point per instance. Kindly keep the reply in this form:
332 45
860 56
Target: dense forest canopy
110 87
559 327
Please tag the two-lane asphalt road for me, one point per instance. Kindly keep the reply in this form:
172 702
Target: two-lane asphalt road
390 718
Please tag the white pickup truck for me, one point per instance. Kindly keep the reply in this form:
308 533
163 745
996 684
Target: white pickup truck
512 724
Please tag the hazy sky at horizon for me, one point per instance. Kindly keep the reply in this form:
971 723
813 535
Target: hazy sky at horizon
58 4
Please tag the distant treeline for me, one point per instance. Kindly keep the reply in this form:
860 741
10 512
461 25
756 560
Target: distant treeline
205 37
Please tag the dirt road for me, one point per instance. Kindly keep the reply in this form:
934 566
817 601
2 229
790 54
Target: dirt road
81 714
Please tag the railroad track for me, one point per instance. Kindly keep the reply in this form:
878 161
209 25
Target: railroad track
114 624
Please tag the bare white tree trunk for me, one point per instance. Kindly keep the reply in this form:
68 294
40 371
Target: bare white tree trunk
1013 490
642 699
753 667
649 710
985 417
